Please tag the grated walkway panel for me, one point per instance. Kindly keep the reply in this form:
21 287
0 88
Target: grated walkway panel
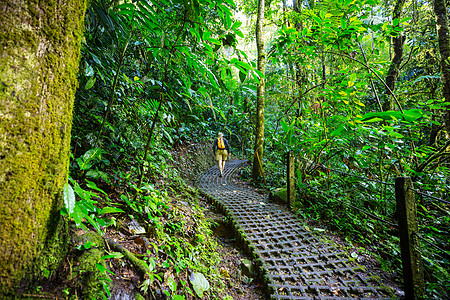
296 263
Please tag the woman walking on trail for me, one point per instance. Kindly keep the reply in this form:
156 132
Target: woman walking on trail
221 151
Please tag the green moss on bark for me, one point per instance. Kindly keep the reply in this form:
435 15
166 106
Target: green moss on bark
39 42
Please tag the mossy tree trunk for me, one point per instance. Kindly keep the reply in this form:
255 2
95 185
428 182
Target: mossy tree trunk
260 106
39 55
440 10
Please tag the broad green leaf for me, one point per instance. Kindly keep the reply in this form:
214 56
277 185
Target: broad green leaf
208 47
236 25
195 33
317 19
204 92
170 282
284 125
223 73
95 174
84 162
239 33
408 115
151 264
77 215
112 255
260 74
93 186
92 222
244 65
396 134
413 115
341 129
213 80
395 22
199 283
110 210
69 198
90 83
100 267
242 76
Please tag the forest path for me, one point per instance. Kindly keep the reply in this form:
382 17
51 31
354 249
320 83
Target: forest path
297 263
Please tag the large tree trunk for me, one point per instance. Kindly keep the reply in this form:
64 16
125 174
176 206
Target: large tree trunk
259 134
393 71
440 9
39 54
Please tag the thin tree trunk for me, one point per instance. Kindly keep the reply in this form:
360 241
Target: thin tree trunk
40 50
111 95
259 134
300 77
440 9
161 101
393 71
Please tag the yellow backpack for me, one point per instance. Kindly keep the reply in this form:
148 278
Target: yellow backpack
220 143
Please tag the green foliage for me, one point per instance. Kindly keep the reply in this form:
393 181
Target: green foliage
158 75
199 283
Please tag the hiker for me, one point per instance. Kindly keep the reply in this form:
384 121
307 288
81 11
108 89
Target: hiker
221 151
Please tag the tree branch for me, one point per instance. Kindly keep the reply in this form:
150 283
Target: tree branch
373 72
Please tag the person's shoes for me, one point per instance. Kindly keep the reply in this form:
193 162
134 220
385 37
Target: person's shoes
220 175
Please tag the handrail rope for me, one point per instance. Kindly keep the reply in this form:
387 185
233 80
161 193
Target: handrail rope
430 243
357 208
365 188
353 182
345 173
432 197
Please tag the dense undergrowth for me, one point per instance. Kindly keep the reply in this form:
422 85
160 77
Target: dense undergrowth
170 251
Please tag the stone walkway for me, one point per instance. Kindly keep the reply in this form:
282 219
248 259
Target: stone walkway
294 263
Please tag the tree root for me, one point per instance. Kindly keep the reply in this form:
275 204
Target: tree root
140 266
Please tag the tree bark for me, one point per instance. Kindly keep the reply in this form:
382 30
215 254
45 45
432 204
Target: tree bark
440 10
259 134
39 54
393 71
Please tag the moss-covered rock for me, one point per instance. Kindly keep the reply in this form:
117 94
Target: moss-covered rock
92 276
279 195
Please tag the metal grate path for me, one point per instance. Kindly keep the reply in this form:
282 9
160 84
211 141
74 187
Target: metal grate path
297 264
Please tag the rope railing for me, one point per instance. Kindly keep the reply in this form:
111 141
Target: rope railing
354 207
346 173
366 189
431 243
431 197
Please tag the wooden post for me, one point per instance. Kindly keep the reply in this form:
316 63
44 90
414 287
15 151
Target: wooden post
290 179
409 243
